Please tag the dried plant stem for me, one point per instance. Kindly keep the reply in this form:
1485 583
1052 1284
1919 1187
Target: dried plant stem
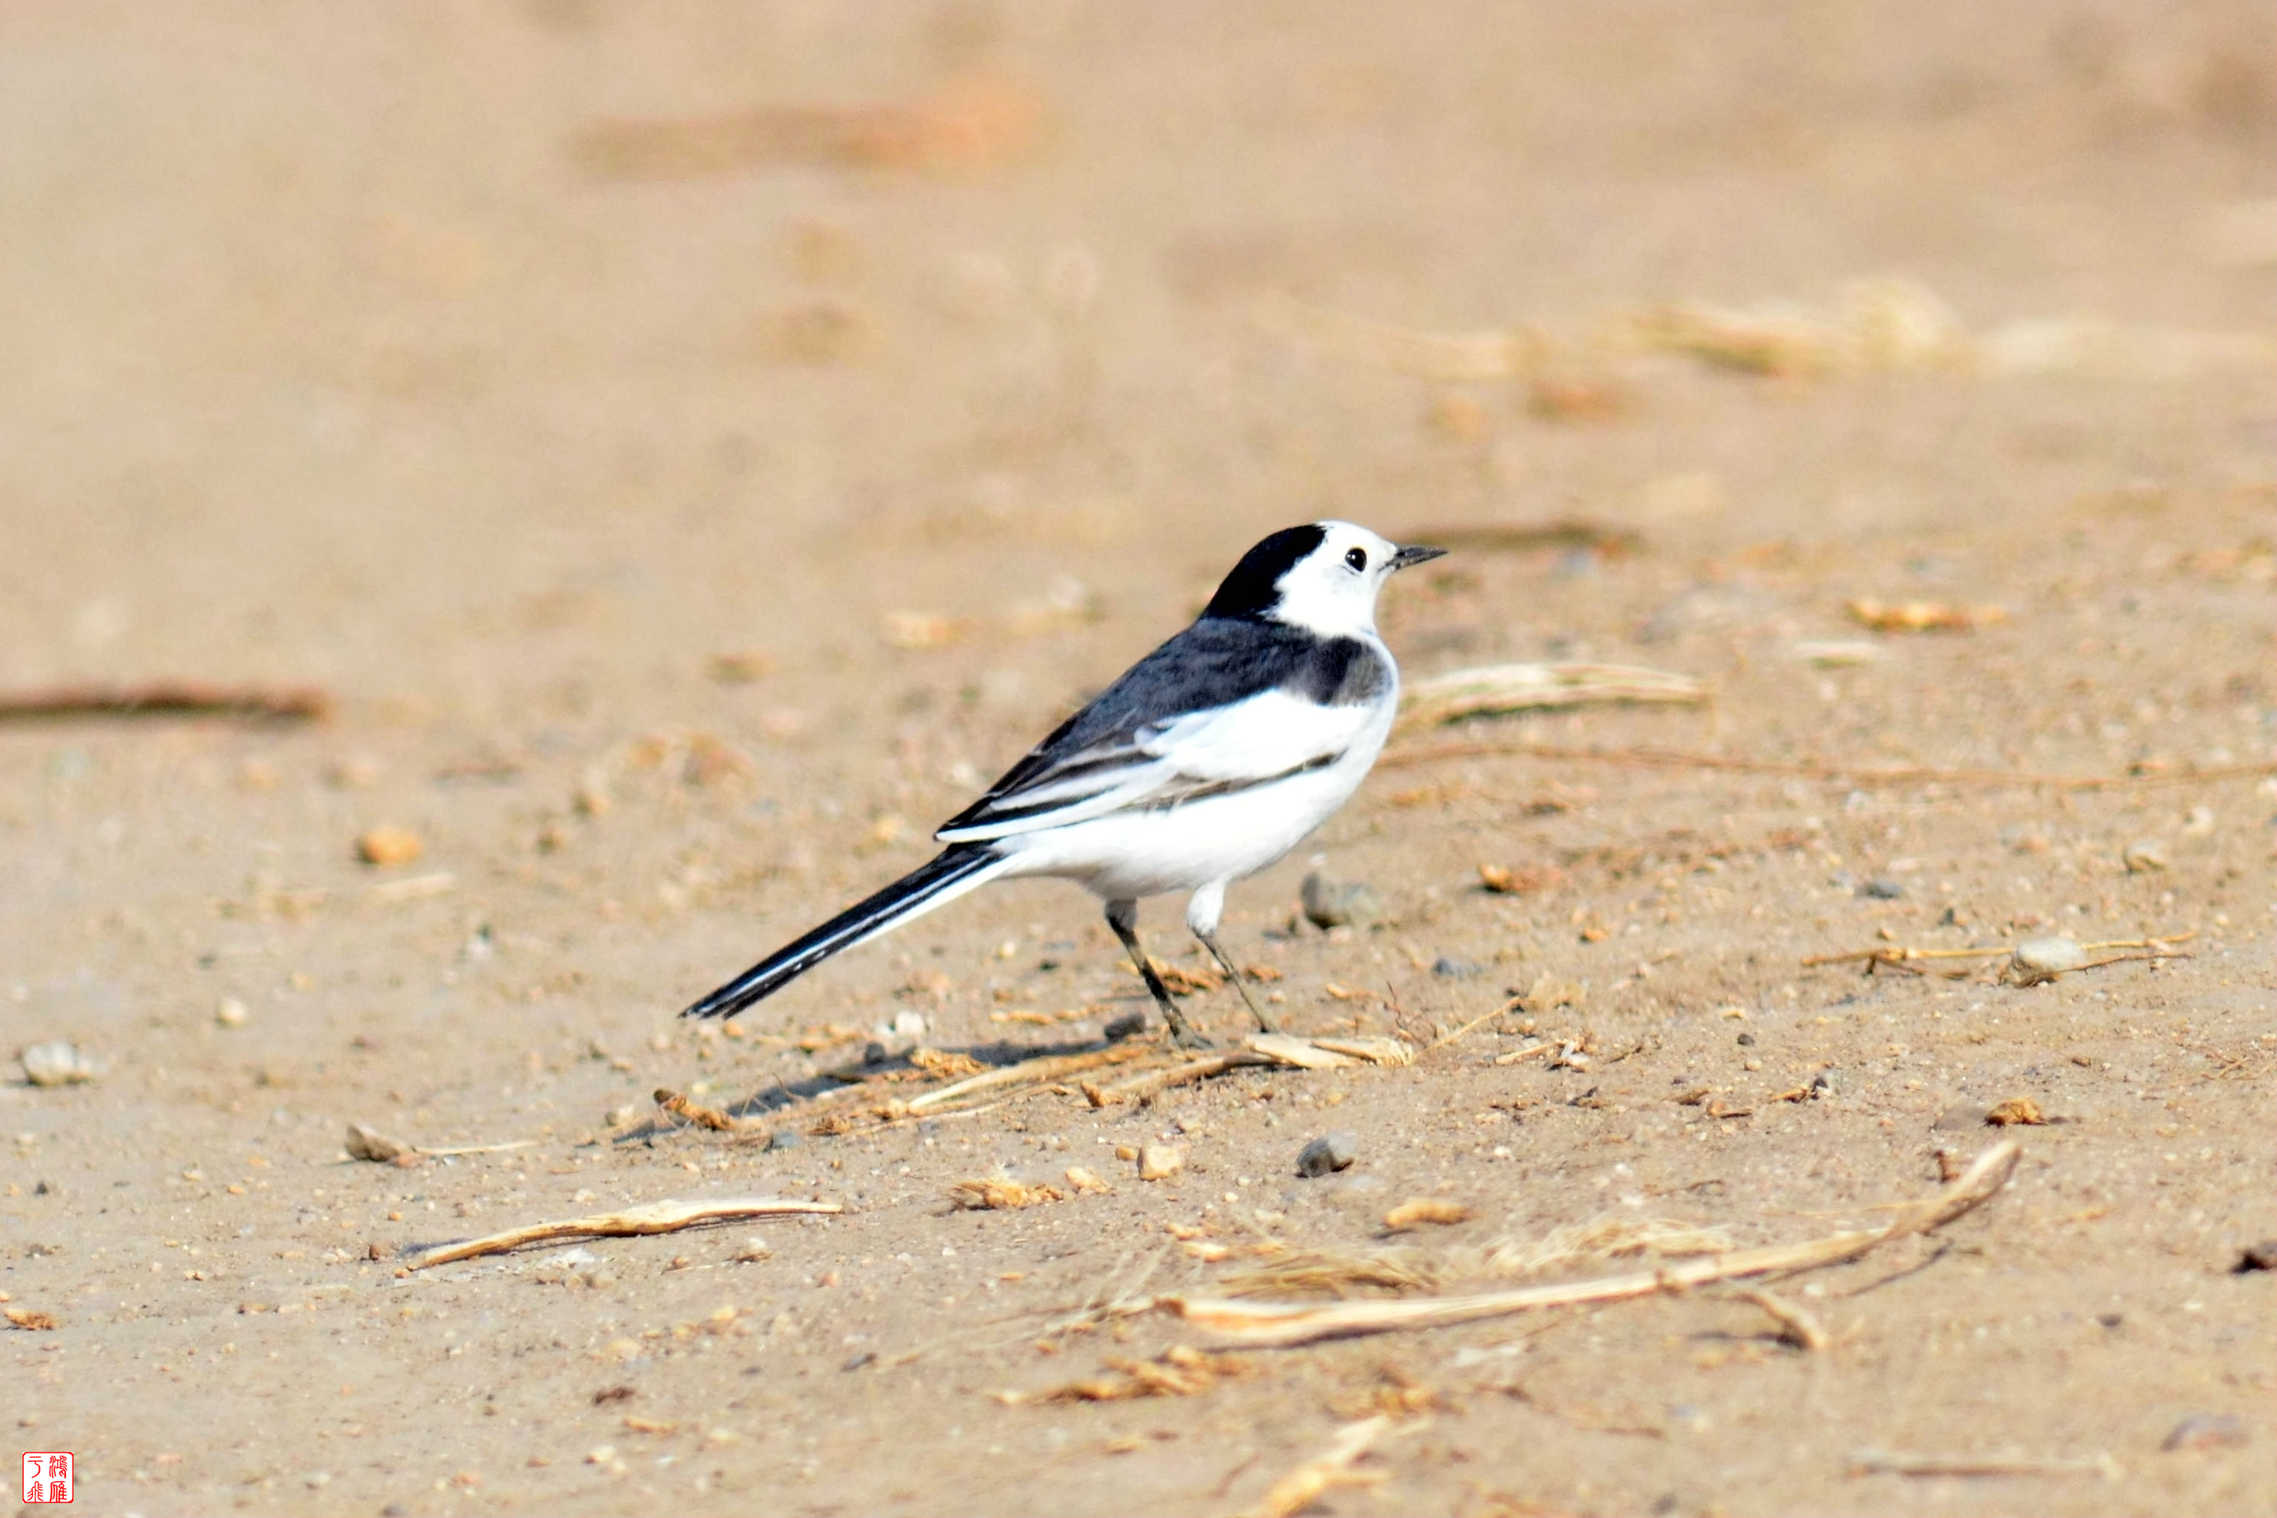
167 698
1050 1067
1885 1463
1892 954
695 1112
1149 1082
1286 1323
1332 1467
1501 688
1897 954
655 1217
1847 774
1283 1050
1796 1325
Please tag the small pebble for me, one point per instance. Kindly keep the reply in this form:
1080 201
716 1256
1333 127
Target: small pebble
909 1025
1839 654
2014 1111
2206 1431
2261 1256
369 1144
231 1013
389 846
1328 1153
785 1138
2144 856
1334 904
1159 1160
59 1062
1454 969
1882 888
2043 959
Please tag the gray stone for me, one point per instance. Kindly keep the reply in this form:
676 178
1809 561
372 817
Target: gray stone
1328 1153
58 1062
1335 904
2143 856
2042 959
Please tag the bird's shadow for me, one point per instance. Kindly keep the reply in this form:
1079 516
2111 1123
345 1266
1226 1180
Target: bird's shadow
781 1096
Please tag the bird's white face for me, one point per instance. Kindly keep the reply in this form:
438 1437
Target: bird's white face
1332 590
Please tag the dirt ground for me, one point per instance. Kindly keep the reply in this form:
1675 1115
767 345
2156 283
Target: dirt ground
695 448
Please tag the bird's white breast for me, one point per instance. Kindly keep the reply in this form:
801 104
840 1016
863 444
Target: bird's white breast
1139 853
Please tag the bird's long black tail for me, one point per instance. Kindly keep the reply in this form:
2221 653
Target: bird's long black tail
949 875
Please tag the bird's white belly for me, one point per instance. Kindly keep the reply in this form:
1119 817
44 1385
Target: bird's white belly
1129 855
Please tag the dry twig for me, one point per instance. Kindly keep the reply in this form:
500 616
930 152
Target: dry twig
706 1117
1283 1323
1424 1209
1796 1326
1179 1371
167 698
655 1217
971 123
1042 1070
1496 689
1845 774
997 1193
1885 1463
1905 957
1330 1468
364 1143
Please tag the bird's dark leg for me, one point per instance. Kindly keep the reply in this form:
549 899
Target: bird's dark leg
1122 916
1210 942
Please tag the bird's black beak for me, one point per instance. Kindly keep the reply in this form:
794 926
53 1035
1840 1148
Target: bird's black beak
1414 554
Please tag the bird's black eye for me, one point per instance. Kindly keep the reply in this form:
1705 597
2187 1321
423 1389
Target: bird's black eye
1357 558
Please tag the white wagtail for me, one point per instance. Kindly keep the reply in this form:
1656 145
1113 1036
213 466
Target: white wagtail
1208 760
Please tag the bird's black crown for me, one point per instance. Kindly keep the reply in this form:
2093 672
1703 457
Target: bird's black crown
1254 586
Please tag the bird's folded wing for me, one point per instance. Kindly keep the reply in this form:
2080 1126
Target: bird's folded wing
1268 736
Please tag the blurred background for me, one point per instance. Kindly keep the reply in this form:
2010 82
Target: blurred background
690 448
486 359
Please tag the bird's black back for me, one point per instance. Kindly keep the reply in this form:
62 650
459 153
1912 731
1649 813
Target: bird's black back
1215 662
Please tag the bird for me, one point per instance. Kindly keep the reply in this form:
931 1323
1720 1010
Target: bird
1205 762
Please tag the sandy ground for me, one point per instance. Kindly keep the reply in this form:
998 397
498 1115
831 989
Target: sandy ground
685 517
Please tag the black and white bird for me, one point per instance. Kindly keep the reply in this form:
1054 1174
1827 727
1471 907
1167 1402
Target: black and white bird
1208 760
